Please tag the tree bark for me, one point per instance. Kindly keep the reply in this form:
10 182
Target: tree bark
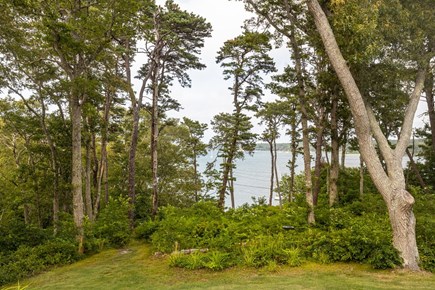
343 155
391 184
304 121
136 105
318 163
272 172
154 141
102 169
429 84
275 157
361 175
294 148
76 182
335 163
233 202
88 197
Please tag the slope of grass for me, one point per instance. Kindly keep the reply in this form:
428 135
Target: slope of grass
136 268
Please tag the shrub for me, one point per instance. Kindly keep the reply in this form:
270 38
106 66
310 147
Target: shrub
217 261
112 225
27 261
293 257
201 226
145 230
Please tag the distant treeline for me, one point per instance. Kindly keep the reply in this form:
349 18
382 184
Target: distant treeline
417 144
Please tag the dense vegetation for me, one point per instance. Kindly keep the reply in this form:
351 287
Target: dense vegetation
356 230
90 159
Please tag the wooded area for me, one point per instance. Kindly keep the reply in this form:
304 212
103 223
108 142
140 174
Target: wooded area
89 160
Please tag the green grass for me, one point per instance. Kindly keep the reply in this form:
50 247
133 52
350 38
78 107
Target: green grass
136 268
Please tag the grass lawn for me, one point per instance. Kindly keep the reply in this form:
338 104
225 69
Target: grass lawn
136 268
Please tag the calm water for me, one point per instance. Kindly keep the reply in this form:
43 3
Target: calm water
253 173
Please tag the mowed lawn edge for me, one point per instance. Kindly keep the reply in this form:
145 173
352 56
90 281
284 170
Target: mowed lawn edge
135 267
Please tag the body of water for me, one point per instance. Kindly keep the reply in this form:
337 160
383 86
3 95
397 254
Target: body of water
253 173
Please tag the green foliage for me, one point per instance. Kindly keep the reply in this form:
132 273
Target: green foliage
262 250
254 236
145 229
27 261
201 225
113 224
214 260
425 229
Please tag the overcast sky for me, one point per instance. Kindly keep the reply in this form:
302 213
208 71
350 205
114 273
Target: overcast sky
209 94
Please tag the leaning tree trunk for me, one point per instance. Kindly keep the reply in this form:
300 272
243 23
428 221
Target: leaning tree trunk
390 183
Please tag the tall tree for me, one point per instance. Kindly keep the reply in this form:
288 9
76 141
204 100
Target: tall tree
232 138
390 182
177 38
243 58
196 147
271 115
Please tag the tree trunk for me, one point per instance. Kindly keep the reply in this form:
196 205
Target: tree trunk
95 162
307 169
403 223
88 197
233 202
294 148
272 172
154 155
318 164
391 184
102 169
195 172
335 165
304 120
228 167
361 175
343 155
429 84
76 182
136 105
275 157
225 178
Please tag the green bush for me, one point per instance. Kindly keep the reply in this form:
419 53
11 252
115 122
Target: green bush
201 226
27 261
253 236
112 225
145 230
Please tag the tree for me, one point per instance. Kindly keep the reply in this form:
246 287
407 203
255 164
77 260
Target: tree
390 182
195 147
271 115
243 58
177 38
232 138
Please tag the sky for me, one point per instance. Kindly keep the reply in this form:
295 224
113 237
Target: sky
209 94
